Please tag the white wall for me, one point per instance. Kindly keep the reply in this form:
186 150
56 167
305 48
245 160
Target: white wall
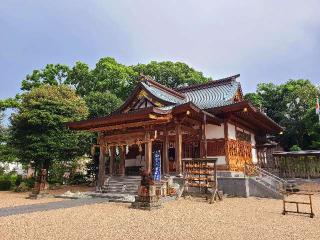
8 167
254 150
231 131
214 131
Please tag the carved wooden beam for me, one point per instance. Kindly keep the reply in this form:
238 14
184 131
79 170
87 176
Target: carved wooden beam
130 125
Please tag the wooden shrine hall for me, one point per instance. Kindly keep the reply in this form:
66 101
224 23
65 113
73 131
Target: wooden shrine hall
203 120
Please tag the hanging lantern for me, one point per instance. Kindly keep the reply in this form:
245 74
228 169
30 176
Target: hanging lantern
140 147
117 150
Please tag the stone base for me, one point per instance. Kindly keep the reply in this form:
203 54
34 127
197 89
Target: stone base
146 205
147 202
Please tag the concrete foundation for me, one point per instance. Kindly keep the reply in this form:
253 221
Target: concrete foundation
238 187
236 184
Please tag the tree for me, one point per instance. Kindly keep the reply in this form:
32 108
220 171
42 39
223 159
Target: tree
102 103
81 77
112 76
292 105
38 131
171 74
52 74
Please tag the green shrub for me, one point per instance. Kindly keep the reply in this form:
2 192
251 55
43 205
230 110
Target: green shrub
18 181
5 184
1 170
30 182
78 178
23 187
295 148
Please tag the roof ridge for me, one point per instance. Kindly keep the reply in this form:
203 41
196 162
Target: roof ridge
148 79
208 84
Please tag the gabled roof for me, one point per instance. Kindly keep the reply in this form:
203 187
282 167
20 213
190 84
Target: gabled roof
160 93
208 95
213 94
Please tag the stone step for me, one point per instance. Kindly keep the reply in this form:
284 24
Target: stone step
117 188
121 183
127 184
117 192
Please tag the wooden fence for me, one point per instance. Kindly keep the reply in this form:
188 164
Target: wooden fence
297 165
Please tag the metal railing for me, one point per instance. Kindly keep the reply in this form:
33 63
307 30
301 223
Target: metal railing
266 178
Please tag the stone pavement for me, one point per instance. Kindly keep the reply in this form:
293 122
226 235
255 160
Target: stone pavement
49 206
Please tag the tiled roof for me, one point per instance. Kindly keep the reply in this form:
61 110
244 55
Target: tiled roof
212 94
159 93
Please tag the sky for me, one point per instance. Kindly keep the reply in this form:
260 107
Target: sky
263 40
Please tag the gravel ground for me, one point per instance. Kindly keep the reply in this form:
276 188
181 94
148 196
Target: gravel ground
12 199
233 218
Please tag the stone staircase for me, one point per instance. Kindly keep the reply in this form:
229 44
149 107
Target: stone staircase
265 184
122 185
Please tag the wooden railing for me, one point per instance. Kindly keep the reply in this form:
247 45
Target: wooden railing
266 178
216 147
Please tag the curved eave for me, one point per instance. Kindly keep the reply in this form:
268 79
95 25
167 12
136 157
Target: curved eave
118 118
247 110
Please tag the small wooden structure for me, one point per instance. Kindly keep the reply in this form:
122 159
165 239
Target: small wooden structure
201 174
285 211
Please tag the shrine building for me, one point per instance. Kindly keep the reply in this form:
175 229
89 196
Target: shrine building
201 120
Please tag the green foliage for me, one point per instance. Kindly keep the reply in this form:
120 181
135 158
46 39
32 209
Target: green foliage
5 185
18 180
171 74
7 181
29 182
292 105
78 178
295 148
115 77
52 74
102 103
22 187
38 128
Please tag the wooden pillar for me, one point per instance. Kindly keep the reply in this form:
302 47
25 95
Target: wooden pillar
226 147
102 165
166 153
178 150
112 160
148 153
205 136
122 167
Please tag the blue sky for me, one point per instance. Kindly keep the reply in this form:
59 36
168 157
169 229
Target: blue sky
264 41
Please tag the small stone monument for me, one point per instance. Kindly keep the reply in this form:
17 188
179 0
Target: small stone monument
147 198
